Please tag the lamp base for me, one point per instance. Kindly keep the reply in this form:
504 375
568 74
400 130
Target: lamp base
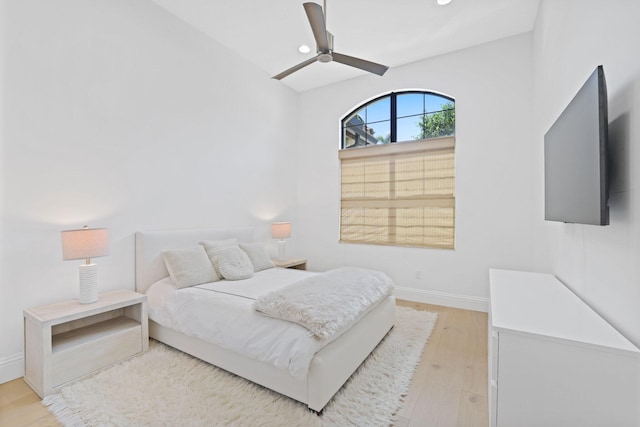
88 284
282 248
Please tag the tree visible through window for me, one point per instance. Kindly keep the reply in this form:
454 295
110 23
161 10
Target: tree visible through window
398 171
439 123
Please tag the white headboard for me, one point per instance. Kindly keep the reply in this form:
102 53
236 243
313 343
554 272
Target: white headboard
149 246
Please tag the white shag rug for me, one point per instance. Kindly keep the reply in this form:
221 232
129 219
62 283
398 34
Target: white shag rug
165 387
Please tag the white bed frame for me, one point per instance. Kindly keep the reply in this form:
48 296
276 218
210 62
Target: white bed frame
331 366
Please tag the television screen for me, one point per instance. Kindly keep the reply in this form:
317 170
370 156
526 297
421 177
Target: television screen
575 158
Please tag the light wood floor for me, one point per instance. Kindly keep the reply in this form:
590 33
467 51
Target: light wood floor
449 387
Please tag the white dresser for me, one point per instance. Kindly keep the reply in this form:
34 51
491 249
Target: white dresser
553 361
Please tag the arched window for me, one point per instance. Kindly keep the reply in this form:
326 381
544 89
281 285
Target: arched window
398 171
398 117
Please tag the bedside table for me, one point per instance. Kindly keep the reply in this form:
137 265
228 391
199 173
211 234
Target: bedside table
297 263
68 340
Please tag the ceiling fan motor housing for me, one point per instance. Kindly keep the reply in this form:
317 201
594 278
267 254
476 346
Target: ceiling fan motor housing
325 57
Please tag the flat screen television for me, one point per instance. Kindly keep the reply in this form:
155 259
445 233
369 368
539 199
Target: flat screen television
575 158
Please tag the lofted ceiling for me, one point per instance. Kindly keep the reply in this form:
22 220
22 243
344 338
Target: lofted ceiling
393 33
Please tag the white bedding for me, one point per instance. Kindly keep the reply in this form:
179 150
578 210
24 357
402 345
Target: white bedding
328 302
227 318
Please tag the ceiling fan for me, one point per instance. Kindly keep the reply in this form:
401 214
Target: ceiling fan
324 46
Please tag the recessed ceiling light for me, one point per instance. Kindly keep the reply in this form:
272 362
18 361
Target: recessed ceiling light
304 49
443 2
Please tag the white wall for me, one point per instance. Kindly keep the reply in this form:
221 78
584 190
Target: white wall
492 86
117 114
601 264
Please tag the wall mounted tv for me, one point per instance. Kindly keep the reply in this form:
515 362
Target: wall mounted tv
575 158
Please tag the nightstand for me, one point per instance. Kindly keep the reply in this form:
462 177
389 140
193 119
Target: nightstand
68 340
296 263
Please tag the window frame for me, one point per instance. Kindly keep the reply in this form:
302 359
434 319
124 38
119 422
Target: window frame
393 109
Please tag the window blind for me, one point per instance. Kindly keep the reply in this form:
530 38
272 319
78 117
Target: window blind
400 194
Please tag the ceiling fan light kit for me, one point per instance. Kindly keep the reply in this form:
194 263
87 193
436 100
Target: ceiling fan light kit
324 46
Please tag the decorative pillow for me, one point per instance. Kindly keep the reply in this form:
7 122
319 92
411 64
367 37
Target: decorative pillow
212 246
189 267
258 256
233 263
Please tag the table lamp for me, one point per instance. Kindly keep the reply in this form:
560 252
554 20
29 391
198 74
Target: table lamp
86 243
281 230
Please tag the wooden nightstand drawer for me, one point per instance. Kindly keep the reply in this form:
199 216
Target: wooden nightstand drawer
74 353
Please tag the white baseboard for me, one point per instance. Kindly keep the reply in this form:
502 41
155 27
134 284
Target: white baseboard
11 367
442 298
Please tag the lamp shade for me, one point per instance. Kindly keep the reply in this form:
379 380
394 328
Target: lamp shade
281 230
85 243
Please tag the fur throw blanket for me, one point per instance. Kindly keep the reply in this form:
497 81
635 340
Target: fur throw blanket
327 303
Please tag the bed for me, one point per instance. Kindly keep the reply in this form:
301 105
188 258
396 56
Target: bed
328 368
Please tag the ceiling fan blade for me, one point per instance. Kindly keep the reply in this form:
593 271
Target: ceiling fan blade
295 68
369 66
318 26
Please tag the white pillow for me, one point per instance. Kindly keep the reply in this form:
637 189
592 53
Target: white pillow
212 246
233 263
258 256
189 267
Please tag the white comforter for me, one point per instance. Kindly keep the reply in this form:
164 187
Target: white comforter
227 318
